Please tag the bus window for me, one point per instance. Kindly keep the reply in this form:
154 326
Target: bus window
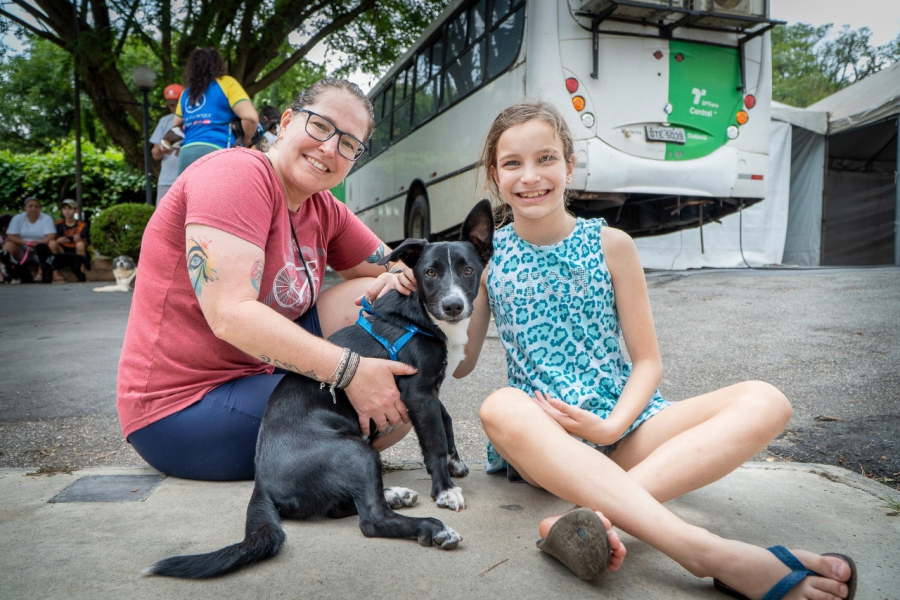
456 36
476 21
499 10
399 86
437 53
378 105
505 41
427 67
402 91
464 74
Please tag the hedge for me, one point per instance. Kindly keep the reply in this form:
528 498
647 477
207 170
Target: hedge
50 176
118 229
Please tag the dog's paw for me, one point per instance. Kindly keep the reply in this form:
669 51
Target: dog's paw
447 539
398 497
452 499
457 467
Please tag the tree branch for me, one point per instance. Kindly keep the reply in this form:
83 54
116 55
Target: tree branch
281 69
38 32
118 51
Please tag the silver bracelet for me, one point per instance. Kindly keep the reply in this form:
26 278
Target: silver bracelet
348 374
338 373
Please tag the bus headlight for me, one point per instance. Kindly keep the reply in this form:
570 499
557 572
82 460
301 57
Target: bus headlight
732 132
587 119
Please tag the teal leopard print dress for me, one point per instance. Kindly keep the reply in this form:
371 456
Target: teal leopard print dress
556 315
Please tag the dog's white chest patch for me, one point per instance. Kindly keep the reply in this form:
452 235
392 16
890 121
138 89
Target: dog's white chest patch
457 336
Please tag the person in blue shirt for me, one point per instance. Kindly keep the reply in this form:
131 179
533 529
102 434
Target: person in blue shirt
207 106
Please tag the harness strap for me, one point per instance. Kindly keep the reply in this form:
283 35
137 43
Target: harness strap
392 348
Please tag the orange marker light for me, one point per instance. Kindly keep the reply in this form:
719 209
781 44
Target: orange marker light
742 117
750 101
578 103
572 85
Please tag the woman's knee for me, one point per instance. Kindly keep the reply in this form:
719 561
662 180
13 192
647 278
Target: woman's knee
336 305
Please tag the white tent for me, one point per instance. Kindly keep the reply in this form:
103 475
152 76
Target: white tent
832 196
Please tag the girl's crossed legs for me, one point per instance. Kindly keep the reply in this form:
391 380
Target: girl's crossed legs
686 446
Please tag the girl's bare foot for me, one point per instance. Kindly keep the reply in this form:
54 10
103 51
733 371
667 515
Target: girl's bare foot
754 571
616 547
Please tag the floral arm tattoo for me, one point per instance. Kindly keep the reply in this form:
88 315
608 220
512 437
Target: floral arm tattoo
286 366
200 264
256 273
378 255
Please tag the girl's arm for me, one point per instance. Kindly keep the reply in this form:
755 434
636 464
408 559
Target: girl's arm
224 271
633 305
478 326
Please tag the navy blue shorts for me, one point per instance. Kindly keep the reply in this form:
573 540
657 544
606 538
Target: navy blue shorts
214 439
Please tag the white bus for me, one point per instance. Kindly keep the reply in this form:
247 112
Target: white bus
668 101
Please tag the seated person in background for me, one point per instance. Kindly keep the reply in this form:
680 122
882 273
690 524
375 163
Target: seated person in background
29 232
71 238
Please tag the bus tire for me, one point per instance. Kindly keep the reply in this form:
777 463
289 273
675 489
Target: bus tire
418 223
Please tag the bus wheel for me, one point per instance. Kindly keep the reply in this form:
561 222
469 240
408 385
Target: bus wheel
418 225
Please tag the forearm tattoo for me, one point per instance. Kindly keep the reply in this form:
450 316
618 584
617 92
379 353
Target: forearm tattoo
201 265
286 366
378 255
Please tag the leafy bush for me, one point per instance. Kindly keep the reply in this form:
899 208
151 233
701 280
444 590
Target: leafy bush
50 176
118 229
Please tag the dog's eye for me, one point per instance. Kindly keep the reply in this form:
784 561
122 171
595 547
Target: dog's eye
431 272
469 270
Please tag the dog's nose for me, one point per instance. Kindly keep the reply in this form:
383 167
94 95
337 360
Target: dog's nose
453 307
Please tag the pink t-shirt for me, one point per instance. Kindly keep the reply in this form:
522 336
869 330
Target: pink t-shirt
170 358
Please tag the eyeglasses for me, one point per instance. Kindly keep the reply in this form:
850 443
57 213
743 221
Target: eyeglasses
320 128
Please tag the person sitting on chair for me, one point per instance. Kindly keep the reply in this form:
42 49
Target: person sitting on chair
29 232
71 239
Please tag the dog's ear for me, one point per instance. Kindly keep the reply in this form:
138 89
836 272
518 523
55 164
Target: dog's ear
479 229
409 252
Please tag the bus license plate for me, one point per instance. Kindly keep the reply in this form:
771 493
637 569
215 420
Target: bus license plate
665 134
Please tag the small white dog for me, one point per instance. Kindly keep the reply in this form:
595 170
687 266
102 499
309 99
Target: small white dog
125 271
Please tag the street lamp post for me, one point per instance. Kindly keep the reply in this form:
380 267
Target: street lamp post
145 79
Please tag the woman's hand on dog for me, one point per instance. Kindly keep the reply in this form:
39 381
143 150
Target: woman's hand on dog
373 393
400 278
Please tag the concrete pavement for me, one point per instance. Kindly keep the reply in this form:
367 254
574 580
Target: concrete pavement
57 408
95 549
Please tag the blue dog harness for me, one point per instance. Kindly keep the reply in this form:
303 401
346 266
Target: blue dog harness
393 349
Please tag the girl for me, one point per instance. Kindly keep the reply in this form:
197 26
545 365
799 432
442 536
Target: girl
561 290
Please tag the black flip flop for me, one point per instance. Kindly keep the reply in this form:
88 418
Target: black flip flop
580 541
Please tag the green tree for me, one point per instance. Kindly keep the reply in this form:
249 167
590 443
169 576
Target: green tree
808 65
250 34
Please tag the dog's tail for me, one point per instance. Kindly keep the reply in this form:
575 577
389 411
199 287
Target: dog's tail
264 539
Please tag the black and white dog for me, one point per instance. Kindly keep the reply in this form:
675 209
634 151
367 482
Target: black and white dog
311 458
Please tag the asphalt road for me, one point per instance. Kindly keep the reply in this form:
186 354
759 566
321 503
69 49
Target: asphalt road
826 337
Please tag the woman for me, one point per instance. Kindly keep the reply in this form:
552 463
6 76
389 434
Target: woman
208 105
235 255
26 242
